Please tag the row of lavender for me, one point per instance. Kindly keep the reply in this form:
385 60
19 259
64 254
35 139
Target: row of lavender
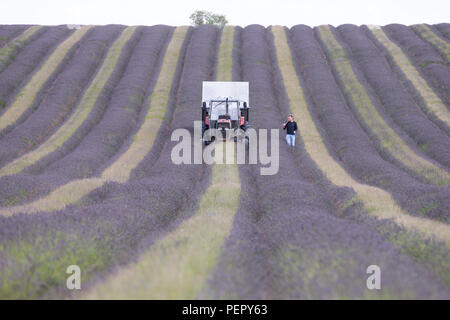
346 139
27 58
397 104
287 241
256 257
267 196
266 255
183 177
60 98
425 57
119 217
68 88
430 61
28 136
57 104
8 32
443 29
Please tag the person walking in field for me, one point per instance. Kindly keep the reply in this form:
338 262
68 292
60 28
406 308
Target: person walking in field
291 129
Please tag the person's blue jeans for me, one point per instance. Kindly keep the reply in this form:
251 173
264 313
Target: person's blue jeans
290 139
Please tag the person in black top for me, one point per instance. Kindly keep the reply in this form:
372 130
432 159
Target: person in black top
291 129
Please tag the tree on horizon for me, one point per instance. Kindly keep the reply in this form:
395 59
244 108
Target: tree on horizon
200 17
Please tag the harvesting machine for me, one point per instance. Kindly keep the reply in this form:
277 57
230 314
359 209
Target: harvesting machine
225 111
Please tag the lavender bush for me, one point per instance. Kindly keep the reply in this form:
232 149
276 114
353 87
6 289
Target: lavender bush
426 58
98 109
123 111
61 97
413 91
185 106
397 103
9 52
12 187
27 60
442 29
8 32
349 143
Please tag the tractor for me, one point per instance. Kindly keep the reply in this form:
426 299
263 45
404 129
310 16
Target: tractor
225 111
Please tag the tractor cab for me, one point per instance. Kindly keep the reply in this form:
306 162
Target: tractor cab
224 108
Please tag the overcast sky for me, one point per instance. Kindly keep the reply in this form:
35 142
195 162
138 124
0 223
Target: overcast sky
238 12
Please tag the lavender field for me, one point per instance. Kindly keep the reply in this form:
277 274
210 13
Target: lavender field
87 179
